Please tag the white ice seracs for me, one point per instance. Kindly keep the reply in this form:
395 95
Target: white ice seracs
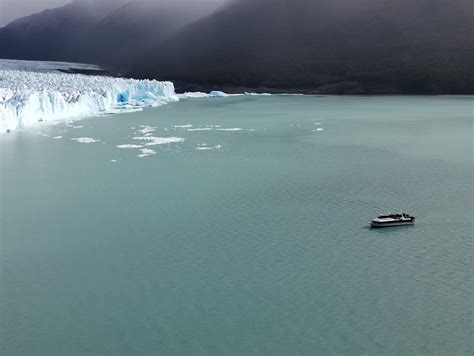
27 98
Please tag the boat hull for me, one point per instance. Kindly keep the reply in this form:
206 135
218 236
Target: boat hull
390 224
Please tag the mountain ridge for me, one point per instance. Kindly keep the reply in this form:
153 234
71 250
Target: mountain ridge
310 46
325 48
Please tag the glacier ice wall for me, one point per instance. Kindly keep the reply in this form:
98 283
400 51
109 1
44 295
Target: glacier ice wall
27 98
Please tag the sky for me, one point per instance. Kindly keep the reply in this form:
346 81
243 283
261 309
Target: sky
11 10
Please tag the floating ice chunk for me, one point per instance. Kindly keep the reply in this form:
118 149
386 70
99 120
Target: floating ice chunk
320 129
155 141
57 137
201 129
145 152
189 95
231 129
212 94
183 126
129 146
205 147
85 140
217 93
113 160
257 94
147 129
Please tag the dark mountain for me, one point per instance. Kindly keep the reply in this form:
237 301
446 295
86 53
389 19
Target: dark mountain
107 32
133 29
48 35
327 46
340 46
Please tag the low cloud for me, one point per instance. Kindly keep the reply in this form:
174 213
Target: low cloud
11 10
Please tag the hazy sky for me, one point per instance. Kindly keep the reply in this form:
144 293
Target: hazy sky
13 9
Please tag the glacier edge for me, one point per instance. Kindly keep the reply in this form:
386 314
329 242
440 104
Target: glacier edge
27 98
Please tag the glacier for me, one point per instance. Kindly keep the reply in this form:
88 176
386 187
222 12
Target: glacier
33 92
27 98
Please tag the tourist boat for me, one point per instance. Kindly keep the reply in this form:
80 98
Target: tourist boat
389 219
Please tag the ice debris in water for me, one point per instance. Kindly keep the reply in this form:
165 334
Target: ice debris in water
231 129
191 95
145 152
217 93
27 98
155 141
201 129
205 147
212 94
128 146
146 130
183 126
85 140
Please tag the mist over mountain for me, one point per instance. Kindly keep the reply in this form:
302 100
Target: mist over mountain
50 34
107 32
133 29
340 46
326 46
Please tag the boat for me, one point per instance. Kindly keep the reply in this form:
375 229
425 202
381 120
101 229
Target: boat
390 219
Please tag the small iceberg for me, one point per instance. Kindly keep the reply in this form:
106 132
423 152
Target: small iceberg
129 146
155 141
85 140
145 152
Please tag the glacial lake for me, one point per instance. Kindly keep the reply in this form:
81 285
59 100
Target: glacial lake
245 234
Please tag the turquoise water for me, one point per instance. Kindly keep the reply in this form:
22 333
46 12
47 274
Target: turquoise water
256 245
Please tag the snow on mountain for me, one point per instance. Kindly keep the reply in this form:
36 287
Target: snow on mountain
27 98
